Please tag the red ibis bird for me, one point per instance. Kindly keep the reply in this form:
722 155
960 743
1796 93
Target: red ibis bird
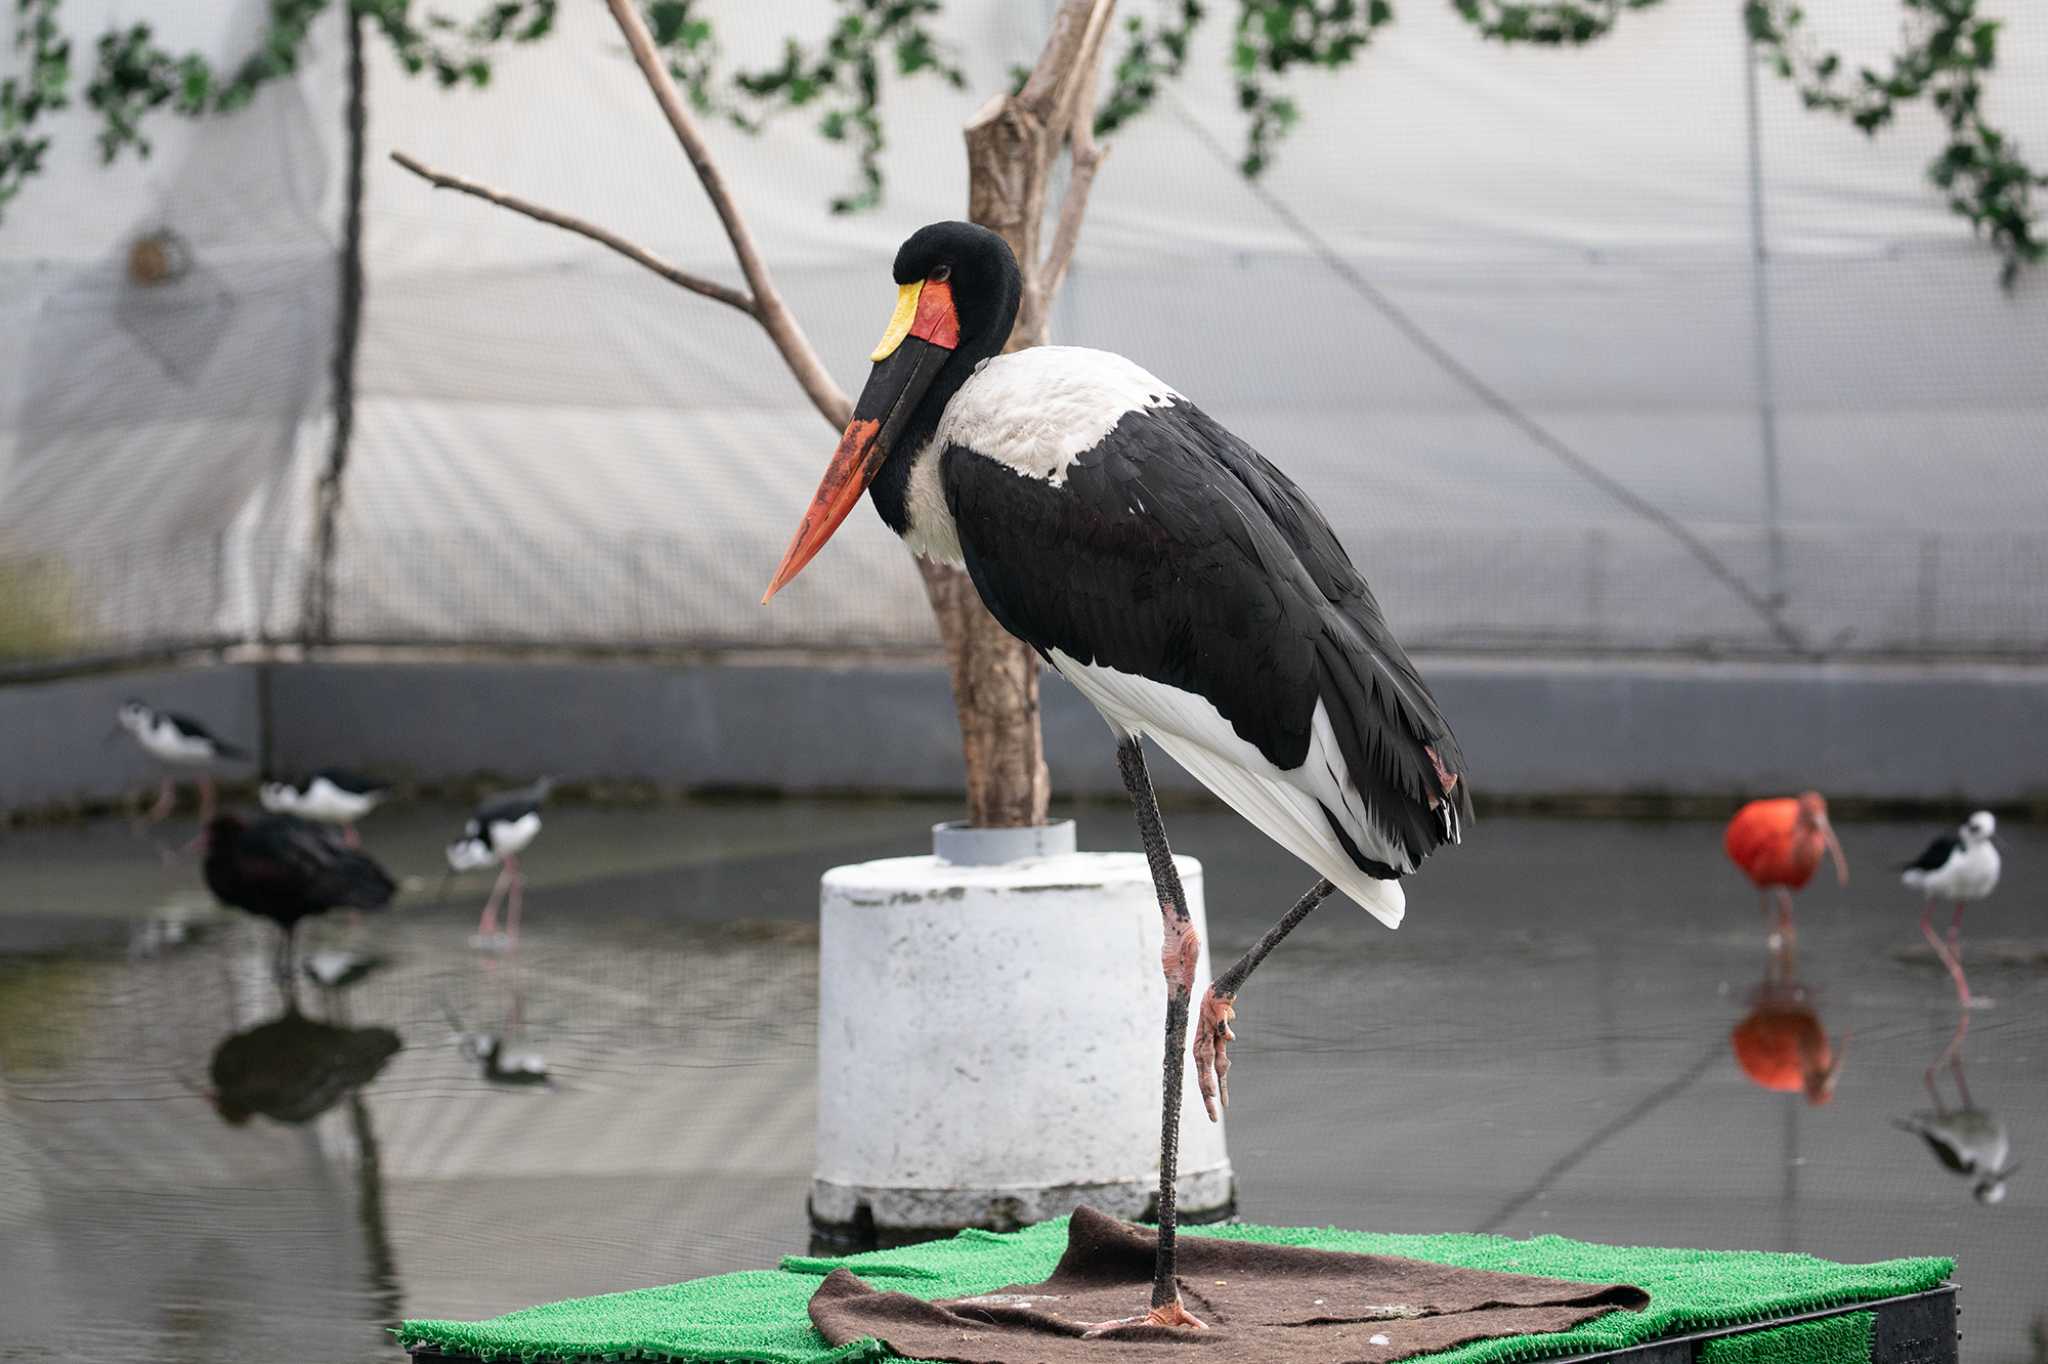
1780 1043
1778 843
1182 583
495 835
284 869
1956 867
176 741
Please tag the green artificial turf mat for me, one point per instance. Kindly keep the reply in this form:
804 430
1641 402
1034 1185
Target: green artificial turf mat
1831 1340
760 1315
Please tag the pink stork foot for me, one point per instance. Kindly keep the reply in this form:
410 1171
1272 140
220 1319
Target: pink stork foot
1173 1314
1179 951
1213 1035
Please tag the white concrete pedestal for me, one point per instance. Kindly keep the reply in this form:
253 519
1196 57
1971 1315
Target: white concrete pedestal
989 1045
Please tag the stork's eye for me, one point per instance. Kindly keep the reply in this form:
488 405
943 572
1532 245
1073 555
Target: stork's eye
942 274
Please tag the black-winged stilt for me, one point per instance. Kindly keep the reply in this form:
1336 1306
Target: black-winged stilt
330 796
495 835
1957 867
1967 1140
284 869
1183 584
176 741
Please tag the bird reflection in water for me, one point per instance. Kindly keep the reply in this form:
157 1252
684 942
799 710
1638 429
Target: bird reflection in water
294 1068
1780 1043
504 1057
1966 1139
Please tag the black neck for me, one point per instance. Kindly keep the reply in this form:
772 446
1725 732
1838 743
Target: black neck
983 332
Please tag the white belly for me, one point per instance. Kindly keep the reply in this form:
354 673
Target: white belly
166 744
510 837
1284 805
1970 875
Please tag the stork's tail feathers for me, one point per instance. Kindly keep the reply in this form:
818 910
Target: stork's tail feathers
1384 900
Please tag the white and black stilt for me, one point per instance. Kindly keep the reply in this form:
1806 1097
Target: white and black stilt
1182 583
501 829
329 796
1955 868
178 742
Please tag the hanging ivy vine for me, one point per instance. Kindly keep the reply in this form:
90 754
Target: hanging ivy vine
1947 56
43 85
1948 50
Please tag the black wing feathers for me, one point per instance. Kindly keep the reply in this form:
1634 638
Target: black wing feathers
286 868
1935 856
199 731
1176 552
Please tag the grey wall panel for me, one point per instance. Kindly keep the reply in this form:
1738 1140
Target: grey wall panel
1530 729
54 747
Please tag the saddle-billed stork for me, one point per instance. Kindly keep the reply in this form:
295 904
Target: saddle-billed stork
1183 584
1956 867
1778 844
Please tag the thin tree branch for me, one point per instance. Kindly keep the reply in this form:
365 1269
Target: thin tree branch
1070 24
639 255
769 308
1087 155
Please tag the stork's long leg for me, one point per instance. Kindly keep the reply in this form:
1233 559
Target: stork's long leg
1177 958
1219 1005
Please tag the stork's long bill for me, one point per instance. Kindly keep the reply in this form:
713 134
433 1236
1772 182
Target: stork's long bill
923 332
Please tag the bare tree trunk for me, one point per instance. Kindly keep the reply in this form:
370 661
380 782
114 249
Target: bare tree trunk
316 623
1013 144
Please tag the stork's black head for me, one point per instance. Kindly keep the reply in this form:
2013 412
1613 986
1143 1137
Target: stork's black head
957 291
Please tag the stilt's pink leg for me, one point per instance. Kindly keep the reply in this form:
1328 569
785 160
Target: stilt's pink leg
206 799
517 899
1953 966
166 801
487 926
349 836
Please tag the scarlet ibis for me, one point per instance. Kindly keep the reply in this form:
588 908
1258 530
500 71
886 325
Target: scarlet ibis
1778 843
1780 1043
1957 867
176 741
495 835
330 796
284 869
1176 578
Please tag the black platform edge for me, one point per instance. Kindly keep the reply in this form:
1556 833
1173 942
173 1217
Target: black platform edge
1913 1328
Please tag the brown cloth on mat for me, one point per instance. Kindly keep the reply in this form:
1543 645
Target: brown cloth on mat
1265 1304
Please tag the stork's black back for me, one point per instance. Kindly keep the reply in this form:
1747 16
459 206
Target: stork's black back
283 868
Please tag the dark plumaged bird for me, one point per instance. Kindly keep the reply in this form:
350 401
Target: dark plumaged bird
176 741
1182 583
1778 843
329 796
495 835
284 869
1956 867
293 1068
